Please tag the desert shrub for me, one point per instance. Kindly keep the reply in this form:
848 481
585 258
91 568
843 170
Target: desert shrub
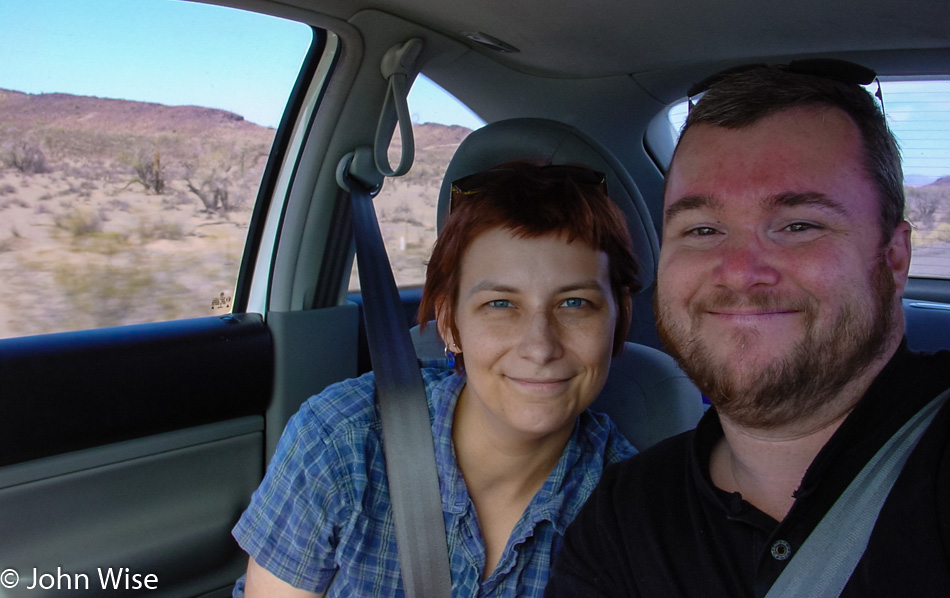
223 176
104 294
213 191
161 230
12 202
7 189
148 168
79 223
27 158
119 205
921 207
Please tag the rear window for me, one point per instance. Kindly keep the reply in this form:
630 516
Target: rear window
918 113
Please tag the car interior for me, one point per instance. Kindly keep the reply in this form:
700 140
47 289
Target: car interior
137 447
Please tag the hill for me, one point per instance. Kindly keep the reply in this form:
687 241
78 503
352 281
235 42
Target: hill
116 212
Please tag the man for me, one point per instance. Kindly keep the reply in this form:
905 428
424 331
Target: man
783 261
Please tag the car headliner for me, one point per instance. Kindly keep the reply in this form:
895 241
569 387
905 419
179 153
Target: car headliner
602 38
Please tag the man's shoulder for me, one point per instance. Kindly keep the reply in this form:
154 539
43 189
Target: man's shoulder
927 374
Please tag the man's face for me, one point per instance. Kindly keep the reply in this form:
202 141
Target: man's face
775 289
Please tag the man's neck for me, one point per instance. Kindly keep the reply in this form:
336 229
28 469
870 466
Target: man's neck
767 466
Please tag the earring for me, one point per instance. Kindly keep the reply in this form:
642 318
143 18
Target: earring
450 356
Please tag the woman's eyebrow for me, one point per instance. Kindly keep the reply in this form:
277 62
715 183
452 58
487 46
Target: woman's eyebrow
492 286
497 287
587 285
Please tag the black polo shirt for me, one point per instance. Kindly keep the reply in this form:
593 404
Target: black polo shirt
657 526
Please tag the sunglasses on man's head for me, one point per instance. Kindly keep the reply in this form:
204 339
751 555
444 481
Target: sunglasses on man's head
580 175
827 68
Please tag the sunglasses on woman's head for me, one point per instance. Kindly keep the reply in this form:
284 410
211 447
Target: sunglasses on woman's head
580 175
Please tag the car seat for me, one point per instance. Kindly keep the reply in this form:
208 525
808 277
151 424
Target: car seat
646 394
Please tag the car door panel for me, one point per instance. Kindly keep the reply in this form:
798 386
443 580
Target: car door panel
161 506
133 447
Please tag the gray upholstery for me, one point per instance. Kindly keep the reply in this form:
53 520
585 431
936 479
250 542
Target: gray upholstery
646 394
535 138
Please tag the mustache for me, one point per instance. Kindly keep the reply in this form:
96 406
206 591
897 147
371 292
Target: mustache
724 299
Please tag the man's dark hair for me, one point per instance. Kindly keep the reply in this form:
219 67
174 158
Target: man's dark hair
742 99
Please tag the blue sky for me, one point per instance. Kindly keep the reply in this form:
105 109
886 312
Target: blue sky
180 53
170 52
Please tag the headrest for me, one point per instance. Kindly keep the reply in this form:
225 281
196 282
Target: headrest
535 138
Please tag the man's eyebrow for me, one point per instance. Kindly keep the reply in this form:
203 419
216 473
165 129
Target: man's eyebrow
691 202
810 198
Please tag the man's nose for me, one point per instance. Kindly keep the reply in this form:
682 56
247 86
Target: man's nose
744 263
541 341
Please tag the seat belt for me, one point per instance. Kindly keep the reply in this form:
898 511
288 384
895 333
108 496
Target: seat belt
404 412
408 447
827 559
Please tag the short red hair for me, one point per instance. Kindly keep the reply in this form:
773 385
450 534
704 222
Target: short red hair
521 199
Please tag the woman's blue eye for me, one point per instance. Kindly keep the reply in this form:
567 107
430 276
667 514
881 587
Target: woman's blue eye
574 302
500 303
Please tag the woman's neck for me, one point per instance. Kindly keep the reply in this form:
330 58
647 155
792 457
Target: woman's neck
502 471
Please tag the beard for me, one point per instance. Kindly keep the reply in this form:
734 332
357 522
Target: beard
789 388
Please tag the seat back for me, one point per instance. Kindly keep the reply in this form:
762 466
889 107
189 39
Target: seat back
646 394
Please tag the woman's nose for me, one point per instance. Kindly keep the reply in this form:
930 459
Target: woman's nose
540 342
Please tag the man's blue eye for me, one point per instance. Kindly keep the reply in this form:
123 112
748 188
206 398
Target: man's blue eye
500 303
573 302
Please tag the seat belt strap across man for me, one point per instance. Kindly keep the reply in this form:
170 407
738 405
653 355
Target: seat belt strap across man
827 559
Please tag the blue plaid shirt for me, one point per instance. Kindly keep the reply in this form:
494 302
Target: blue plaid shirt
323 507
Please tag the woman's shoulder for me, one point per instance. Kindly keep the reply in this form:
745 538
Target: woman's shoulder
598 430
351 403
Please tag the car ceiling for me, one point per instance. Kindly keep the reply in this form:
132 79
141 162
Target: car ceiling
601 38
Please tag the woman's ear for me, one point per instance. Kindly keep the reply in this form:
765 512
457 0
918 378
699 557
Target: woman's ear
443 319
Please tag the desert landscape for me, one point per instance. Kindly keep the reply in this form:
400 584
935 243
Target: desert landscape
115 212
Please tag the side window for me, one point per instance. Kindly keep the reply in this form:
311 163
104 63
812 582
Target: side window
133 138
918 112
406 205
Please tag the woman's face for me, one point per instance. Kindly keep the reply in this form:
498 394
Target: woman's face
536 320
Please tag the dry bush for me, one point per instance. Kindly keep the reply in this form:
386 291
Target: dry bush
148 168
27 158
160 230
79 223
14 202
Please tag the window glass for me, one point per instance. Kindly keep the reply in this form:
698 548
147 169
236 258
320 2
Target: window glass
406 205
133 137
918 113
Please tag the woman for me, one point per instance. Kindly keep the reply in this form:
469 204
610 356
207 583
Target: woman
530 283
